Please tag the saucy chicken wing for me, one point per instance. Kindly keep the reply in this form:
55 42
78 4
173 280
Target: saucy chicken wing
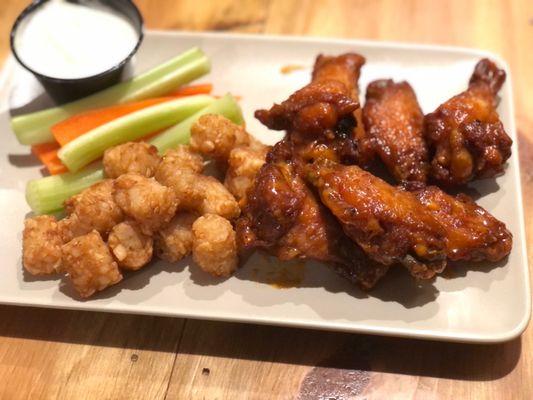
394 123
389 223
465 135
285 218
472 233
325 110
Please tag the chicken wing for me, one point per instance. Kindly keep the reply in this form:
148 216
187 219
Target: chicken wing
389 223
326 110
465 135
394 123
285 218
420 229
472 233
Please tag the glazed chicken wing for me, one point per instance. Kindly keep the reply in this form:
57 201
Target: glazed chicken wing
472 233
326 110
465 135
394 123
389 223
285 218
420 229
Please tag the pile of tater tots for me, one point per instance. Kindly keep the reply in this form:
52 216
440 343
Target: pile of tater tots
151 206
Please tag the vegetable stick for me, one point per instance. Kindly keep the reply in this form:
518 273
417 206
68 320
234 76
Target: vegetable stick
46 195
47 154
201 88
91 146
34 128
71 128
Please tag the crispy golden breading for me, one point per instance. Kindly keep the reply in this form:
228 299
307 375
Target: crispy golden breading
182 157
89 264
149 203
243 165
394 123
130 246
214 245
215 136
200 193
94 208
174 241
41 245
465 136
132 157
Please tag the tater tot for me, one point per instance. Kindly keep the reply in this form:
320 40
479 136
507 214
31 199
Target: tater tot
132 157
215 136
183 157
89 264
217 199
149 203
214 246
174 241
41 245
243 165
130 246
200 193
94 208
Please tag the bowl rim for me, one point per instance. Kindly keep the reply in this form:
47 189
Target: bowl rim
38 3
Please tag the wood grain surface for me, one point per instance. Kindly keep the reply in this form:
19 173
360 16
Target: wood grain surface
49 354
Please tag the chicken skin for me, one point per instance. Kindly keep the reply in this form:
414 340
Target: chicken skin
465 136
394 123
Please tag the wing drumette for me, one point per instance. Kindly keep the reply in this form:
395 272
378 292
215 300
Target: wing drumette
465 135
394 122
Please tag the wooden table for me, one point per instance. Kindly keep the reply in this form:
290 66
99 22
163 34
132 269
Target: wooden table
48 354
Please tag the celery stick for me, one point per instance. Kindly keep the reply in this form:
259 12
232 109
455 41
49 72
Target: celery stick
180 133
46 195
91 146
34 128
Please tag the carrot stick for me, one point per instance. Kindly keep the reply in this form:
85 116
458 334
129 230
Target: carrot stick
191 90
47 154
75 126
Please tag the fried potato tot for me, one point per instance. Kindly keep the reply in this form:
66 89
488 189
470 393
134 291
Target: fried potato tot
243 164
174 241
215 136
130 246
182 157
149 203
200 193
41 245
132 157
93 209
89 264
214 245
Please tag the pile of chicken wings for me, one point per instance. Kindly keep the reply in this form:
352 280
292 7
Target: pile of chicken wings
317 198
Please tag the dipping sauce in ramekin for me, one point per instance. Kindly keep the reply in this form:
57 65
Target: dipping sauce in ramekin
76 47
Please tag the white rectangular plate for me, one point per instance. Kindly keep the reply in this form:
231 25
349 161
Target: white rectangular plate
487 303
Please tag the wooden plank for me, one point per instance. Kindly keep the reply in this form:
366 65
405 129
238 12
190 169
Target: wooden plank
52 354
